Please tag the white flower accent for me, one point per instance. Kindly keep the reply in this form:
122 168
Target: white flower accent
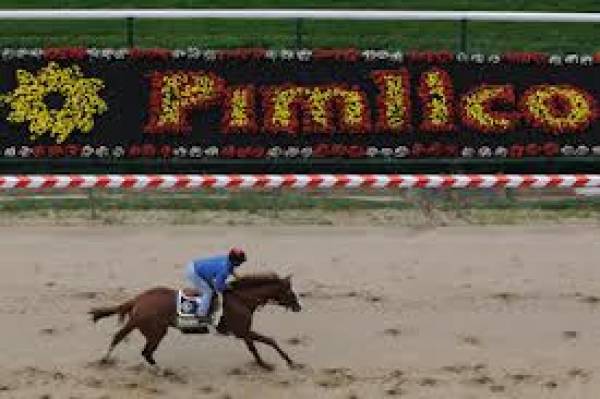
87 151
10 152
596 150
397 56
462 57
368 55
468 152
568 150
118 152
194 52
25 151
401 152
582 151
108 53
383 55
304 55
212 151
484 152
501 152
387 152
93 52
572 59
478 58
372 152
274 152
209 55
586 60
121 54
555 59
292 152
180 152
36 52
22 53
494 58
306 152
196 152
102 151
287 54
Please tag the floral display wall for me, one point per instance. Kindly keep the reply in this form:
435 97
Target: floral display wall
256 103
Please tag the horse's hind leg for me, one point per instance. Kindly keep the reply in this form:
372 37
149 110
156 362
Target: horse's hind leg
118 337
254 351
154 334
271 342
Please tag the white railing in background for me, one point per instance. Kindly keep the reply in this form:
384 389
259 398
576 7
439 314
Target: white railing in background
358 15
298 15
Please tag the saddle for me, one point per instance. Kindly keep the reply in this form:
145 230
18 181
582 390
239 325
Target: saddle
187 320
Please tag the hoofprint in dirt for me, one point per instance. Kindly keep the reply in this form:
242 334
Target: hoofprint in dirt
452 312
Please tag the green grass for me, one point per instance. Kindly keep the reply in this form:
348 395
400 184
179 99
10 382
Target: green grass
485 37
252 201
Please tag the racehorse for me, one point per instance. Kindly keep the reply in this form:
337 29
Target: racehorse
155 310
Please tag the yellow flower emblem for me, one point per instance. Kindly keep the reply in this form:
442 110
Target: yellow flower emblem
81 101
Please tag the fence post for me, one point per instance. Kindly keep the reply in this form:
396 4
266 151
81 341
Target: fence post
129 27
299 33
463 35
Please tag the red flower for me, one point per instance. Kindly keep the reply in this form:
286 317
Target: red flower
419 150
550 149
39 151
65 53
149 150
533 150
55 151
516 151
242 54
134 151
450 150
321 151
150 54
434 150
73 150
430 57
242 152
166 151
228 152
348 55
356 151
257 152
526 58
338 150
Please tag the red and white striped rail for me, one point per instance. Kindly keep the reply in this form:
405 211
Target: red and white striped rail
296 181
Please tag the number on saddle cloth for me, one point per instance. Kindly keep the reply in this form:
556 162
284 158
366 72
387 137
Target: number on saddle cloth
187 303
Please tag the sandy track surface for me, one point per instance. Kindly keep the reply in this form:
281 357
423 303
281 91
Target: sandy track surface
455 312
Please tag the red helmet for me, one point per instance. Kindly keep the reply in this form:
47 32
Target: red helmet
237 256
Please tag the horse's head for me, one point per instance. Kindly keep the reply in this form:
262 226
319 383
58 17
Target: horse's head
286 296
269 288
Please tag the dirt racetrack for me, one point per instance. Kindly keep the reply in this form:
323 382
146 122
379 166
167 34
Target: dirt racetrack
452 312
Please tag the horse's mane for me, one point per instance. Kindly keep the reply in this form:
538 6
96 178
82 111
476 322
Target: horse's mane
252 280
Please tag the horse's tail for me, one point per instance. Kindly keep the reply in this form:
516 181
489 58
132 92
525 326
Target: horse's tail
122 310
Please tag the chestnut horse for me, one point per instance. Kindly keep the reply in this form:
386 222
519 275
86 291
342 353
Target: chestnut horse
154 311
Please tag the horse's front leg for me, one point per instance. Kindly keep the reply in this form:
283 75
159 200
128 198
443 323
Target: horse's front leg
254 351
271 342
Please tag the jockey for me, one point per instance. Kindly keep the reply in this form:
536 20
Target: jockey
210 274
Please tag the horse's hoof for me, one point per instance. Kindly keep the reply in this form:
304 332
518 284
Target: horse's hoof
267 366
150 360
297 366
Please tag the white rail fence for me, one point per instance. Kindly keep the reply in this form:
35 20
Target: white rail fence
299 15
